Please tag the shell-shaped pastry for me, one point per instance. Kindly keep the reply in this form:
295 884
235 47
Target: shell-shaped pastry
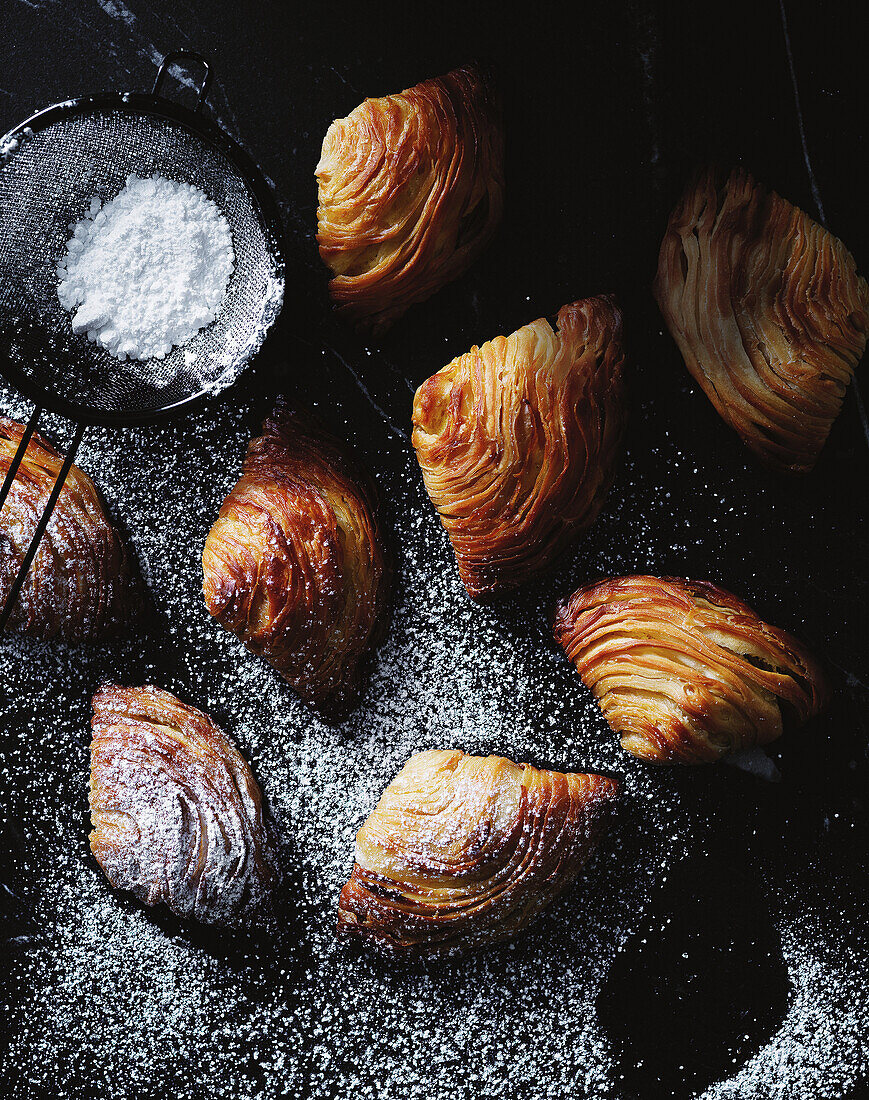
462 851
411 189
518 441
295 565
80 585
177 816
768 312
683 671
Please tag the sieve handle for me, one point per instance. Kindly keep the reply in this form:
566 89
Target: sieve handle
184 56
46 514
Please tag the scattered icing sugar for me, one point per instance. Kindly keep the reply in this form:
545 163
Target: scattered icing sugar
105 998
13 142
147 270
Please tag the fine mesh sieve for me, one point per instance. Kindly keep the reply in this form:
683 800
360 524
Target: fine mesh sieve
50 168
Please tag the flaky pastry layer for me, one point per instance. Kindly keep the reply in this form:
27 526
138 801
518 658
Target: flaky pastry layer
177 816
295 566
518 439
768 311
410 191
683 671
80 586
463 851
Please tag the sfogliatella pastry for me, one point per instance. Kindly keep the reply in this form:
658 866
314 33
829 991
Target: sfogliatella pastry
177 816
411 189
518 441
768 312
294 564
463 851
80 586
683 671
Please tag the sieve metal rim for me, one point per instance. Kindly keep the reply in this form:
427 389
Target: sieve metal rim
265 204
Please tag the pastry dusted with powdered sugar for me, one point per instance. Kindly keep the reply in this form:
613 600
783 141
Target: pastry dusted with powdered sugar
177 815
80 586
463 851
295 563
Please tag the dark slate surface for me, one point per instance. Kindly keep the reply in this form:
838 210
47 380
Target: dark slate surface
607 107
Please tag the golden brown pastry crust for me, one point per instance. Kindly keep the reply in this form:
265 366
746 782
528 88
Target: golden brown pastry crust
295 565
462 851
410 192
768 312
518 440
80 585
177 816
683 671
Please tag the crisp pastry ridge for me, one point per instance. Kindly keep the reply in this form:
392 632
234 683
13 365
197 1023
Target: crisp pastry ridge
463 851
80 585
295 563
518 441
410 190
684 671
177 815
768 312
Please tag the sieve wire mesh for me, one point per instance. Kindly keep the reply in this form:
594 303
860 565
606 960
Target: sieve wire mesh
46 184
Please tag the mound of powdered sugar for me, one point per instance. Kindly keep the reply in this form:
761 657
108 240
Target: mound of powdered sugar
147 270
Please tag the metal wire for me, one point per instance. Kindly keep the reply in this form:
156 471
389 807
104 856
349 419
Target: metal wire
48 176
46 185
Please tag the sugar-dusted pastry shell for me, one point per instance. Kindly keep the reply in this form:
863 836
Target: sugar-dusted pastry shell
462 851
177 816
80 584
768 312
410 191
518 440
683 671
294 564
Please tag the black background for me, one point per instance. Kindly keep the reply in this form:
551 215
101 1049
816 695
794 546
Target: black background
607 108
